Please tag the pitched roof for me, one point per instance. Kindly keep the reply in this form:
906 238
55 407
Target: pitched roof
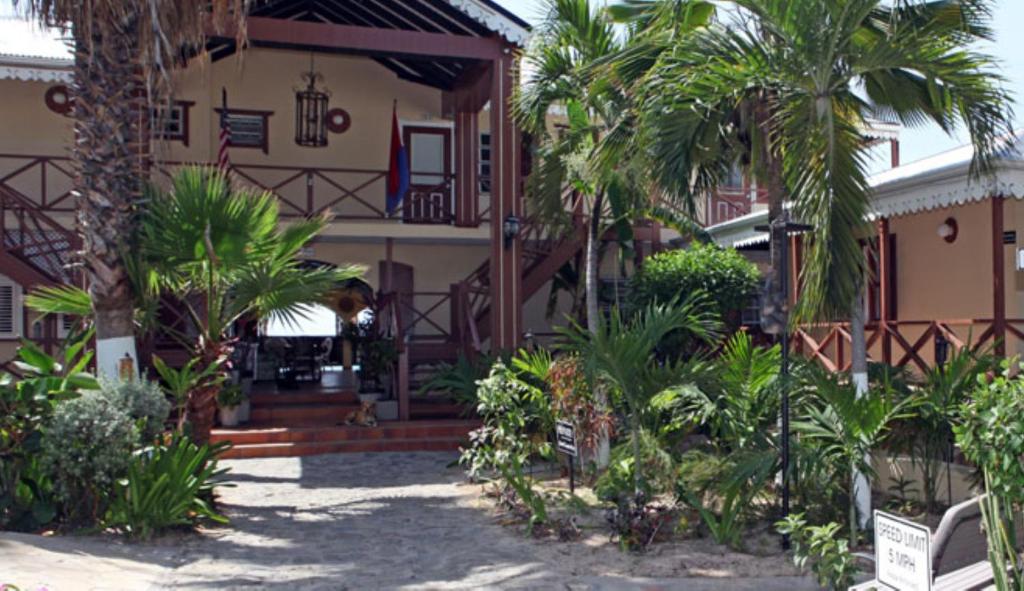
936 182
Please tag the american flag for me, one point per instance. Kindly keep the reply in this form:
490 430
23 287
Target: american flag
225 133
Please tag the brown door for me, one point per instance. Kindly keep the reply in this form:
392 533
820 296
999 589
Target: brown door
429 200
401 283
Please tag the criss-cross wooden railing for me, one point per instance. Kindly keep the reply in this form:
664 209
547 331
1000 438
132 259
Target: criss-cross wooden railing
902 343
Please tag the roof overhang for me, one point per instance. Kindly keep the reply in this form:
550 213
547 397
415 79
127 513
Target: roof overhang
35 69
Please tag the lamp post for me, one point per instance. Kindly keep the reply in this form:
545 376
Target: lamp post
775 320
510 229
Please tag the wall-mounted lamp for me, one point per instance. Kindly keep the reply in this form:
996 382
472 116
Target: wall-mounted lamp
948 230
510 229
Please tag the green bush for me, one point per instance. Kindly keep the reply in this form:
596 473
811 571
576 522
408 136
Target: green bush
824 549
991 436
87 446
26 407
143 400
167 486
728 279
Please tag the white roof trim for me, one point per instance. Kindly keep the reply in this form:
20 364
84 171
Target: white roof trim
35 69
493 20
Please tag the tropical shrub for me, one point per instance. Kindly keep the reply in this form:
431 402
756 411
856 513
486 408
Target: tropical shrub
177 383
167 486
230 396
458 381
991 436
144 402
726 276
516 420
26 407
573 401
87 446
822 548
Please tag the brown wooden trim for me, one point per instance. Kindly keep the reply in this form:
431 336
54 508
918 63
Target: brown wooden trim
368 39
183 136
884 286
998 279
467 164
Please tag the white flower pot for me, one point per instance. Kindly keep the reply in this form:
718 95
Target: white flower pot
229 417
244 411
369 396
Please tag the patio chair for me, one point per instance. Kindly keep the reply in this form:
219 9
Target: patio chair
959 552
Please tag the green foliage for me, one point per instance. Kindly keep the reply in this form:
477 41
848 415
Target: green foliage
991 436
824 549
177 383
26 407
726 276
230 396
516 420
167 486
458 381
845 427
144 402
86 448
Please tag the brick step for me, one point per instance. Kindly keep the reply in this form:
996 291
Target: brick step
265 399
290 449
302 414
392 431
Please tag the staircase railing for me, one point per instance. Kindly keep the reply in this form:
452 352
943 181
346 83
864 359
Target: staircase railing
35 238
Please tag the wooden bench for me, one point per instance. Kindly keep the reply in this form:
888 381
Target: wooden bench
959 552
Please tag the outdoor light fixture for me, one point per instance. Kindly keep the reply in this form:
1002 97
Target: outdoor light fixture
948 230
510 228
311 111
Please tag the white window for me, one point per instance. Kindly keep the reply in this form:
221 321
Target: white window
65 324
485 162
10 309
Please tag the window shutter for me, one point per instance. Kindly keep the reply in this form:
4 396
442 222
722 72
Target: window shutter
8 312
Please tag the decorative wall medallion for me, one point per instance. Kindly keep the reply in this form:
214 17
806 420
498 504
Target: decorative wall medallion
58 99
338 120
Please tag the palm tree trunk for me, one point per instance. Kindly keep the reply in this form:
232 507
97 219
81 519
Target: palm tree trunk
109 142
603 452
859 375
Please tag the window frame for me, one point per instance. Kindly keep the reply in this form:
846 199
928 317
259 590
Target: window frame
161 133
264 145
17 309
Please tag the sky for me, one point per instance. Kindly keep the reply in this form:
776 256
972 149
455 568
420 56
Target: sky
915 144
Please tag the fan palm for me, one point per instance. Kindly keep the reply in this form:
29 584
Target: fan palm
221 252
122 49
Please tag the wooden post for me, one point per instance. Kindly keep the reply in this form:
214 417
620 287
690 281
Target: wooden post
387 282
885 280
467 167
506 200
998 280
894 152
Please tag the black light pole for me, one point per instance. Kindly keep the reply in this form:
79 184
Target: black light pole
775 320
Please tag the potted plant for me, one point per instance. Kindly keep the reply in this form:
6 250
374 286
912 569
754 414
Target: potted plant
229 402
375 368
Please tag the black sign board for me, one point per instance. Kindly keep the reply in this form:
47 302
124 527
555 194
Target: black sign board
565 438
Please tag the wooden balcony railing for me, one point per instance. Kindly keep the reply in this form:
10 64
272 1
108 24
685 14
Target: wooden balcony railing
904 343
348 193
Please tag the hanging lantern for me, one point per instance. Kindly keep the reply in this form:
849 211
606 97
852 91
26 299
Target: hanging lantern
311 111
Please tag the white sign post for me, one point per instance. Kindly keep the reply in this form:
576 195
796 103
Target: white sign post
903 553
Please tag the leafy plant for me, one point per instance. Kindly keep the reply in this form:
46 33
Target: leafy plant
27 404
230 396
168 486
223 253
179 382
573 400
846 427
516 418
823 549
991 436
726 276
458 381
87 446
144 402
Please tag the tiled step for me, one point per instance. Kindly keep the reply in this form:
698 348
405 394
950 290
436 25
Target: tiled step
393 430
278 450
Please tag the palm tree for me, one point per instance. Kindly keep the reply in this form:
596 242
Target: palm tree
621 357
787 89
221 252
123 50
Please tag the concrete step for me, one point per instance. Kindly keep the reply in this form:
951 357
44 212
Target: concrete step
396 430
292 449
